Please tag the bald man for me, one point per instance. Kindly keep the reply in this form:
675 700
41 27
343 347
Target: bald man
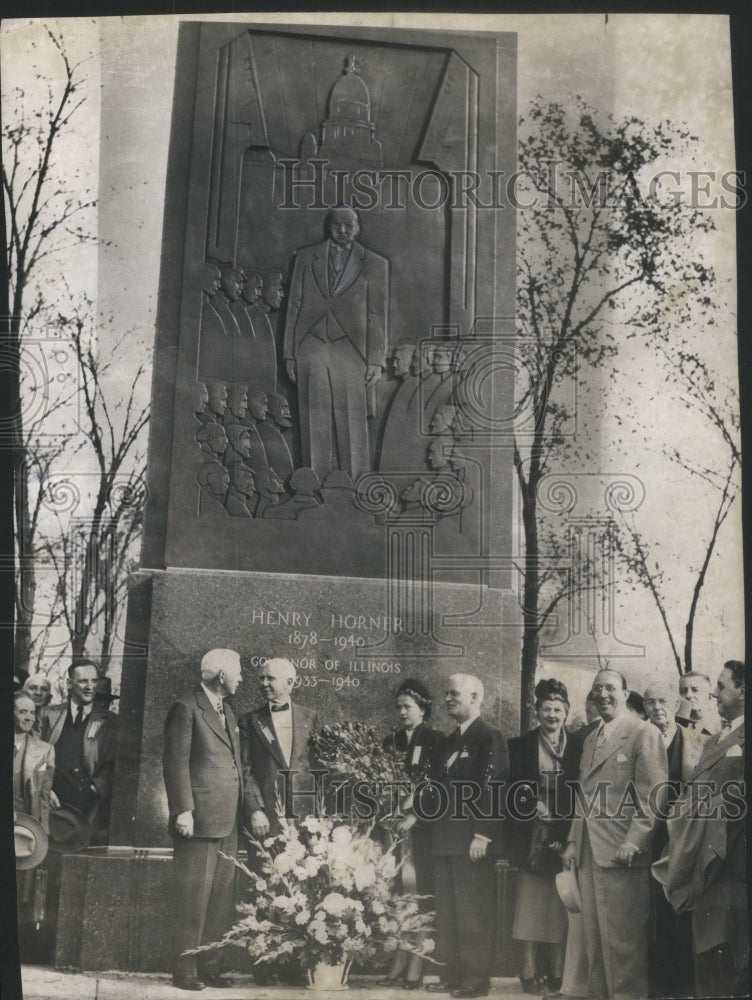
276 752
40 689
466 841
202 779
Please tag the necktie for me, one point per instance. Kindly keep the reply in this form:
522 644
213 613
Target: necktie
79 717
280 708
725 723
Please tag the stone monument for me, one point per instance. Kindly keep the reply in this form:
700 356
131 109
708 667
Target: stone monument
331 195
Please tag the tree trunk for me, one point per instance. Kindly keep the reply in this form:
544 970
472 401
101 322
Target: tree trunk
531 625
25 579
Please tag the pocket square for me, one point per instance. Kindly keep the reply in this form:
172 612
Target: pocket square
464 754
621 758
735 751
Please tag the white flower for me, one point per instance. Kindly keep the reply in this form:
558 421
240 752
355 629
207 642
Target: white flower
428 945
334 903
283 862
341 835
364 876
377 907
312 824
312 866
321 935
302 918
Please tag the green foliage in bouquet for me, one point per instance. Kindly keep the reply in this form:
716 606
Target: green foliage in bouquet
326 893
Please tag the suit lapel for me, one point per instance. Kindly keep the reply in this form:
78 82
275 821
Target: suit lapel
299 734
713 752
262 721
232 725
57 722
28 761
211 718
320 268
615 742
353 267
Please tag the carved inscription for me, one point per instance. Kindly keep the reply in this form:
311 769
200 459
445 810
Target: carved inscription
327 649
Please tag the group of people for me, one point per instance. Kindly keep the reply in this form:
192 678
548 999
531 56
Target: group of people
628 833
655 896
63 764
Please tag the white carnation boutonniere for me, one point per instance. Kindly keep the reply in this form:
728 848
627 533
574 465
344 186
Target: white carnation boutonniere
94 728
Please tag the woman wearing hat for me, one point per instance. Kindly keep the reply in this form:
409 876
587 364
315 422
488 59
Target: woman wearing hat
33 770
541 762
415 742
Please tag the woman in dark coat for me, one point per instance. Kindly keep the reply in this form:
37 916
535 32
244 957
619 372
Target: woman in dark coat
541 763
416 743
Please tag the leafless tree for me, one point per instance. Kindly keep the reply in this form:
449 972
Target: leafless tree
714 403
47 212
90 554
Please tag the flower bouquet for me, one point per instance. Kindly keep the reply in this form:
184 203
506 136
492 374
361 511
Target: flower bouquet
365 780
324 895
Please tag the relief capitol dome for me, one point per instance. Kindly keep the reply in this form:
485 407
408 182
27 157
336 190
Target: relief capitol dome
348 129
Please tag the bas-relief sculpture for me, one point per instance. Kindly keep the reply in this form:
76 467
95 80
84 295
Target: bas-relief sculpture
333 337
335 344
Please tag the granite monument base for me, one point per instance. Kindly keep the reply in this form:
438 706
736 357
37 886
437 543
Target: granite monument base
353 641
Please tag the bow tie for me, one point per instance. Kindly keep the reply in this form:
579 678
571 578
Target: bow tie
725 723
280 708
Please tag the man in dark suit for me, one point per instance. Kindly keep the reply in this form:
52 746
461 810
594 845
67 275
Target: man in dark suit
466 839
276 753
670 933
202 778
84 736
335 344
707 849
622 762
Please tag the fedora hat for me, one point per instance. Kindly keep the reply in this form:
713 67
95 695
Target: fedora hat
70 830
31 841
569 891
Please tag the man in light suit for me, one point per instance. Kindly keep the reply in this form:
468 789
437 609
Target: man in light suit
33 763
609 844
707 849
33 768
276 753
466 841
335 344
202 779
84 736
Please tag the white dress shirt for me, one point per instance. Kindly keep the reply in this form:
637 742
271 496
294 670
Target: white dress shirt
282 725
